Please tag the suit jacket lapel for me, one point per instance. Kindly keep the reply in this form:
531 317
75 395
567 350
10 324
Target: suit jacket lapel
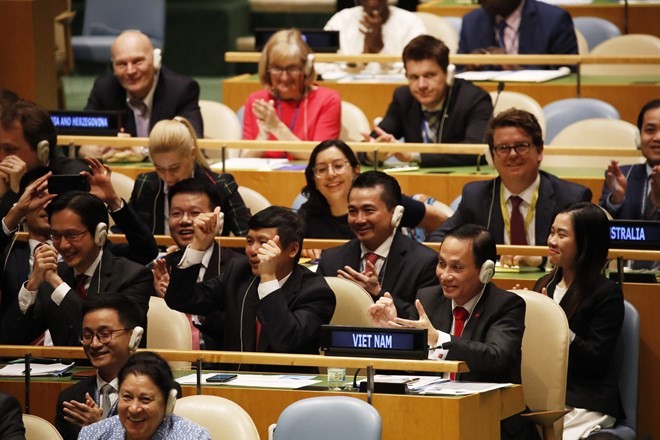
474 319
545 207
394 263
352 256
637 179
492 207
105 272
528 27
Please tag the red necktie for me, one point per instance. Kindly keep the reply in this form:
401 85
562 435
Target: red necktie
371 258
80 285
518 234
460 316
258 324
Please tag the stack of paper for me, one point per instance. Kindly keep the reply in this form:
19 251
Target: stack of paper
36 369
528 75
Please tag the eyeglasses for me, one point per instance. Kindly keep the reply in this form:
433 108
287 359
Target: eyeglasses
291 70
70 236
104 336
338 167
522 148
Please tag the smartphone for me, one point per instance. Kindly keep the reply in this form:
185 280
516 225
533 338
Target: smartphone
59 184
221 378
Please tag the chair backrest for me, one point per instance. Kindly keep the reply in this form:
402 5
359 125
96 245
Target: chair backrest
626 360
564 112
223 418
441 29
253 199
37 428
595 29
168 329
123 186
352 303
220 122
353 123
520 101
623 45
544 354
583 46
329 418
104 17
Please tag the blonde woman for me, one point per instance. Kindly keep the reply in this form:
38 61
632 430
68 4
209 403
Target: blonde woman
176 156
290 107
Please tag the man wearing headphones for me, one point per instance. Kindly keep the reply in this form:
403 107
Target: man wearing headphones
467 317
144 90
27 140
270 302
519 205
380 258
434 107
54 293
110 332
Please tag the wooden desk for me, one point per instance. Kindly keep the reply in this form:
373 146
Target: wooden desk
282 187
627 95
642 17
418 417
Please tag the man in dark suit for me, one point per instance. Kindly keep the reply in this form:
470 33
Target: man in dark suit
434 107
467 317
187 199
110 332
516 145
633 191
380 258
142 89
518 27
78 222
270 303
11 422
28 140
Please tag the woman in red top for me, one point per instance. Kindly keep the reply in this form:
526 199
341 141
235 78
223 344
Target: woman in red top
290 107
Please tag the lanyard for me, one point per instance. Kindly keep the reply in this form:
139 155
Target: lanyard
295 114
530 211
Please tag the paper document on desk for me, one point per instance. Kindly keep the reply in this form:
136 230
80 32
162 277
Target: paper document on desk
18 369
527 75
255 380
250 163
415 383
462 388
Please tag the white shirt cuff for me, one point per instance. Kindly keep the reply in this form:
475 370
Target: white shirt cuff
59 293
440 353
5 229
265 289
26 298
121 206
190 258
571 335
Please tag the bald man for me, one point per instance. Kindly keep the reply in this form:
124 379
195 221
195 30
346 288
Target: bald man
142 89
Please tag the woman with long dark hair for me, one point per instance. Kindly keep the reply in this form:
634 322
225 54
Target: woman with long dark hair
578 245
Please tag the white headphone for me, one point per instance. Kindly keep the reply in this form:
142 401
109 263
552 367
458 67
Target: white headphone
451 71
100 234
309 64
487 272
158 58
171 402
397 215
43 151
638 139
136 337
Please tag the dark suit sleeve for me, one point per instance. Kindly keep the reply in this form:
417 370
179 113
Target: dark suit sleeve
391 122
592 350
140 244
94 101
186 295
501 347
290 328
563 39
11 422
189 107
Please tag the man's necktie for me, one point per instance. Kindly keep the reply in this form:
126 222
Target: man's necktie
141 121
106 390
258 331
80 285
651 210
372 258
518 234
432 124
501 27
460 316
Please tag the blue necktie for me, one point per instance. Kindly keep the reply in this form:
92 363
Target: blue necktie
501 26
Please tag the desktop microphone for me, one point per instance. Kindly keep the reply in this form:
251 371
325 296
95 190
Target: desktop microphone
445 346
500 89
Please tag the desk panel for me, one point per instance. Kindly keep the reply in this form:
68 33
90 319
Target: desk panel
642 18
417 417
282 187
627 95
